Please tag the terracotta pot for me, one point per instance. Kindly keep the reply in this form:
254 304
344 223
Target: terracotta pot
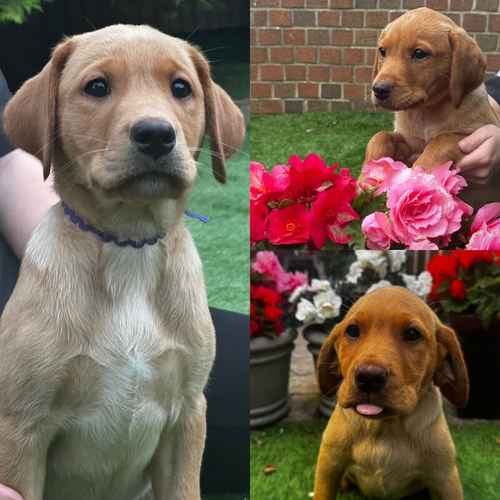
315 335
482 355
269 376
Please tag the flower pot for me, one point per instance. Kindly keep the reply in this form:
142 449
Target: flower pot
482 356
269 376
315 335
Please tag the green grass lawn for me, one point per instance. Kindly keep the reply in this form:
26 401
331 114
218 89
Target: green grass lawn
223 241
338 137
292 449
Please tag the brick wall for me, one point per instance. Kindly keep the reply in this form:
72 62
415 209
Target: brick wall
316 55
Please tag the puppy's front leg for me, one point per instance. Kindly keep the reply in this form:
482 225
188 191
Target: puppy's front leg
176 466
23 459
439 150
389 144
446 485
328 475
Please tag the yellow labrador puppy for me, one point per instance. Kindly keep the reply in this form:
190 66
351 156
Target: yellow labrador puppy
107 341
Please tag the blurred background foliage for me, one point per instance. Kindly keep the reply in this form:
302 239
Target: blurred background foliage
17 10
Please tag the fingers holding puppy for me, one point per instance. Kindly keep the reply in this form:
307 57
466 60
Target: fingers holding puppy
482 154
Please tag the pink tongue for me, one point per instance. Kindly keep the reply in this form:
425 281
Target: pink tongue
369 410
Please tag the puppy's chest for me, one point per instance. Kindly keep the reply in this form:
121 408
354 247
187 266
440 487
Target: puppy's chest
385 469
127 384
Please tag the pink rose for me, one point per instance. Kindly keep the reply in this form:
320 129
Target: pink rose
450 179
377 229
489 215
379 174
421 209
486 228
423 245
485 239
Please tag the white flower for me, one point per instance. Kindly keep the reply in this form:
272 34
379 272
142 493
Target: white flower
375 259
307 313
355 272
380 284
420 285
320 286
297 292
328 304
397 258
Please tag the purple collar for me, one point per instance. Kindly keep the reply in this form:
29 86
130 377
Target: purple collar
110 238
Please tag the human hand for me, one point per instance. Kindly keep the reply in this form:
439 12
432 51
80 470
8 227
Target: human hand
8 494
482 154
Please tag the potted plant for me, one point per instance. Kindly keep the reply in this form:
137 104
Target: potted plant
271 343
466 294
317 306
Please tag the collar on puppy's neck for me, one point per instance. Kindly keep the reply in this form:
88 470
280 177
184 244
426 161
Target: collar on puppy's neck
111 238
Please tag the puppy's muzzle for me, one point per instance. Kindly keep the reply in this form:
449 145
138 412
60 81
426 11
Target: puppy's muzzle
153 137
382 90
371 378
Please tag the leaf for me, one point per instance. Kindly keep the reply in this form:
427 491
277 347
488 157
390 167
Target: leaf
17 10
366 203
269 469
355 232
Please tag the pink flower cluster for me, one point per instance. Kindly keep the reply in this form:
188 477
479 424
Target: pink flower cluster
268 265
485 229
423 208
305 201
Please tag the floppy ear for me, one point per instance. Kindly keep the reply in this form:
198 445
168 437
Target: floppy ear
375 64
225 124
30 117
328 369
451 372
468 65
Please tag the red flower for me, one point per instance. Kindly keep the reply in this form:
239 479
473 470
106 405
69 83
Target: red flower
457 289
330 214
307 176
289 225
258 220
279 327
273 313
443 266
254 328
265 294
468 258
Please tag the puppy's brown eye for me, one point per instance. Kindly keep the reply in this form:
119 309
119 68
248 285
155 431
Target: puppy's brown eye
411 334
419 54
181 89
97 88
381 51
352 331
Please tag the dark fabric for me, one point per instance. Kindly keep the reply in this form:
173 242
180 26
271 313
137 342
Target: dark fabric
493 88
5 145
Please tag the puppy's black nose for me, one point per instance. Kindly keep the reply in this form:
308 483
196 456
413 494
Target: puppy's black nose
382 90
371 378
153 137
